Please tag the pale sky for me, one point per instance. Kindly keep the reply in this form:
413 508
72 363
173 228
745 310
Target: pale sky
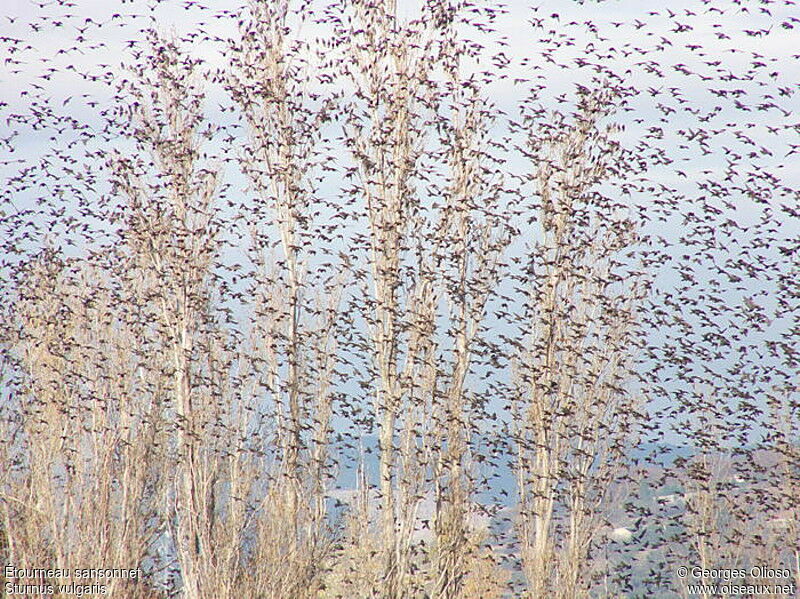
686 58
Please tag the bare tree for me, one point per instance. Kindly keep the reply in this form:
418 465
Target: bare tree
422 255
85 458
171 232
573 408
296 297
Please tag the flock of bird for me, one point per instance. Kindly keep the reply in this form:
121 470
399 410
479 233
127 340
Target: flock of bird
689 172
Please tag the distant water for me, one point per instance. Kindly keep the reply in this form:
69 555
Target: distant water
496 482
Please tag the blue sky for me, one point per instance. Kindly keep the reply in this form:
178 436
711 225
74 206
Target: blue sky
721 73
